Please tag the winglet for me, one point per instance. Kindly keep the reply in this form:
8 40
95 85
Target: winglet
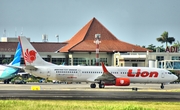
104 68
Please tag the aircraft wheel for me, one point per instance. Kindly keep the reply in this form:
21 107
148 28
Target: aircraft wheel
135 89
5 81
162 86
93 85
101 85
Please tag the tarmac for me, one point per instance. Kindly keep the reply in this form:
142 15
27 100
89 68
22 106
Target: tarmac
49 91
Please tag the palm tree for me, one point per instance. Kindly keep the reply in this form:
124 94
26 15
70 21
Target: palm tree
165 39
176 44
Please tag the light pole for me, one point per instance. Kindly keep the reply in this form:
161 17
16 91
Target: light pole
57 36
97 42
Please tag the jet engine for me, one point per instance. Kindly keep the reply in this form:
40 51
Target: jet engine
122 82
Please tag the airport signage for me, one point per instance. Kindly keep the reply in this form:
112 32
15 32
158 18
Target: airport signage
172 49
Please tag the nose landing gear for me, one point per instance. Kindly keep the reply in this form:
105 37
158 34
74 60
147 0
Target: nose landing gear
162 86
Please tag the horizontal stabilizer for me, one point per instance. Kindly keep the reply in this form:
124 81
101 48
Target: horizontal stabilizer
30 67
15 67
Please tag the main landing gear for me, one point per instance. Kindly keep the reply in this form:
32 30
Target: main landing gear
93 85
6 81
135 89
101 85
162 86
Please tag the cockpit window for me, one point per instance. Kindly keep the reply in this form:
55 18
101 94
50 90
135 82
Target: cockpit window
169 73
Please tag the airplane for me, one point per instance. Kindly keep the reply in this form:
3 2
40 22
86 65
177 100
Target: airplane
7 72
104 76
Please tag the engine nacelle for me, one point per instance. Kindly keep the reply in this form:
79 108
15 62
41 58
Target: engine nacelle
122 82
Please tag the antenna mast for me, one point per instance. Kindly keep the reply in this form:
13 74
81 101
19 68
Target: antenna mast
4 33
57 36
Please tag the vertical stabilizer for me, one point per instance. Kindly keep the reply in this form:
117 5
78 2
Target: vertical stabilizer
11 70
31 56
17 57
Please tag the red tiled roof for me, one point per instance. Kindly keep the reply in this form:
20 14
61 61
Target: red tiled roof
107 46
39 46
84 40
78 37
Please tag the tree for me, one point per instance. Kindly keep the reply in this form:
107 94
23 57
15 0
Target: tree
7 60
143 46
165 39
161 48
152 47
177 44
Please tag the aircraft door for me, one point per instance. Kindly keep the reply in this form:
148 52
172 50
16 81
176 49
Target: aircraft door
162 74
48 72
79 72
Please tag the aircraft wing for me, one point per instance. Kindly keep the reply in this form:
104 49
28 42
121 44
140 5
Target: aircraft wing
30 67
91 79
106 76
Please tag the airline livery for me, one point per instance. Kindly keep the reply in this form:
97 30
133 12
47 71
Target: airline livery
103 76
7 72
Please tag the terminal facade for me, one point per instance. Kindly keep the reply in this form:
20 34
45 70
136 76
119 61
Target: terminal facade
81 49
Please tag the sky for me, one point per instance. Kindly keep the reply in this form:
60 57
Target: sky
138 22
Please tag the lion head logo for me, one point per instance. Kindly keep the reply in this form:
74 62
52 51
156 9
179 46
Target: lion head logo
30 56
122 81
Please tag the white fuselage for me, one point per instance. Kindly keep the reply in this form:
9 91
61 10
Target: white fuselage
90 73
7 72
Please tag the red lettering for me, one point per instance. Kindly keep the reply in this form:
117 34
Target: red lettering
130 73
171 49
167 49
176 49
153 74
138 72
142 74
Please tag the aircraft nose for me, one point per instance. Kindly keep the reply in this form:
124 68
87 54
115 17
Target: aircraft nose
175 77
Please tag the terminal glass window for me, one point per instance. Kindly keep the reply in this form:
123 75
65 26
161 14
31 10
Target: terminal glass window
47 59
79 61
70 61
159 58
117 61
58 61
92 62
134 65
104 60
175 57
161 64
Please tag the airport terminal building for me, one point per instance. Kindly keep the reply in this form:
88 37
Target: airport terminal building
82 49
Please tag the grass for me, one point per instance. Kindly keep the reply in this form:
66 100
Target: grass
86 105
